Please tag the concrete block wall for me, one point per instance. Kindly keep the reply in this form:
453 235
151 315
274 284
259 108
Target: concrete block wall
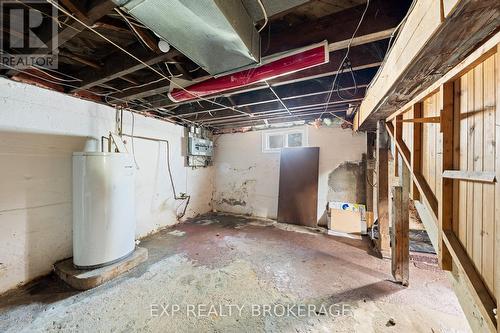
39 130
247 179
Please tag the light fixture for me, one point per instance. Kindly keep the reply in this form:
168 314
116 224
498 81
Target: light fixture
163 46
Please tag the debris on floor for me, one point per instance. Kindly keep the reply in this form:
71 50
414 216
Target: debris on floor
255 277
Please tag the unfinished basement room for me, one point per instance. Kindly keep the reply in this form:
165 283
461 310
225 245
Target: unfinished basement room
249 166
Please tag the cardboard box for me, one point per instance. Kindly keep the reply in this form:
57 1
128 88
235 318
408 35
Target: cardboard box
346 219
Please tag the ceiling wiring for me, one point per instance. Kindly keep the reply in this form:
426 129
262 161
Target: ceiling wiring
346 53
138 35
55 4
265 15
394 37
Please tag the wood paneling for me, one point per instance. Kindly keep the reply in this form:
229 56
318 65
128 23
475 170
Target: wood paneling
467 228
431 144
476 200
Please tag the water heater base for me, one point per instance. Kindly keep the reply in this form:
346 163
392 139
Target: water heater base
83 279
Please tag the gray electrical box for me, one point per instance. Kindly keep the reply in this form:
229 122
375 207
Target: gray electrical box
200 147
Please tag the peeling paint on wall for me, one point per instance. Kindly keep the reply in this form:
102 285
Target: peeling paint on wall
347 182
238 192
243 172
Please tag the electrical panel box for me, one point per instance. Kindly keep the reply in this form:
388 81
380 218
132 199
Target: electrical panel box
200 147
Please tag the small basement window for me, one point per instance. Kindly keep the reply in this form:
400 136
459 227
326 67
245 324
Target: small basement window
275 140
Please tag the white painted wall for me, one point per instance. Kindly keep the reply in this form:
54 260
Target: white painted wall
39 130
247 179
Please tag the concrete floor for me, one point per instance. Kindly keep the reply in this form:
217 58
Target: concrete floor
271 277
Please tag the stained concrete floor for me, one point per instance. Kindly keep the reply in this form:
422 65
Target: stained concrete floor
270 277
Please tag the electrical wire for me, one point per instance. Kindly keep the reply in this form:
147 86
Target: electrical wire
55 4
106 95
346 54
44 70
133 146
133 29
396 33
185 197
265 15
131 19
170 72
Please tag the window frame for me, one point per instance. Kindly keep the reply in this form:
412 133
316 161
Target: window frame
284 133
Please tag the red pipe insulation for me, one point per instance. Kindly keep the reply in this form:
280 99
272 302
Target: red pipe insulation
289 63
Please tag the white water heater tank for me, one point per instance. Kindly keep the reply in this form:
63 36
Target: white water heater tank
103 208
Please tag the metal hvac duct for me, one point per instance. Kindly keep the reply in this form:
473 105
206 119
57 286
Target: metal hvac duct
218 35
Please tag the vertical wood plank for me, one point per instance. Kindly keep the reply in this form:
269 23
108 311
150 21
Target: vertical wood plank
488 230
470 161
416 156
446 185
439 142
478 166
400 229
462 201
497 171
432 145
398 135
425 141
456 155
383 188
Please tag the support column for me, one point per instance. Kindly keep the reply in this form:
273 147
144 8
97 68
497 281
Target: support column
445 207
370 168
382 155
416 156
401 226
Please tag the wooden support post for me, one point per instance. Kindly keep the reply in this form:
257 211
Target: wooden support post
382 153
370 168
401 227
398 135
445 206
416 156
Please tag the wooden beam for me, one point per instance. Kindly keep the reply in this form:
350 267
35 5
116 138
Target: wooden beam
478 289
360 40
420 120
416 155
382 166
436 47
381 15
75 8
97 9
400 262
116 66
80 59
142 91
472 176
420 181
71 28
445 208
476 57
371 138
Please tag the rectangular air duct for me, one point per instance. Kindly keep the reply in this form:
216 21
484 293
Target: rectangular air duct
218 35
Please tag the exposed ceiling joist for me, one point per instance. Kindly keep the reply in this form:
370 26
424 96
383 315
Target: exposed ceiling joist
116 67
287 99
336 27
360 61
